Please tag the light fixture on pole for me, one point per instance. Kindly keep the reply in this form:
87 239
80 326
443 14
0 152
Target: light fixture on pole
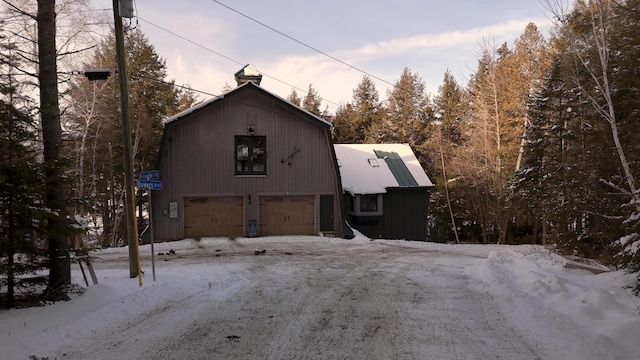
97 74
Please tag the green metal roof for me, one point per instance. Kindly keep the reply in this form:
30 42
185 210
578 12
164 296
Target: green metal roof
397 167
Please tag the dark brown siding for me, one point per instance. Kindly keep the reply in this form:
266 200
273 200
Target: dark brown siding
198 157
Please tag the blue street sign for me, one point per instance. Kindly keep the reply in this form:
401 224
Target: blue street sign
149 184
149 175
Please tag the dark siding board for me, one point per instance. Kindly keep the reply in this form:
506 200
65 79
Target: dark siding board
370 226
405 213
404 216
200 157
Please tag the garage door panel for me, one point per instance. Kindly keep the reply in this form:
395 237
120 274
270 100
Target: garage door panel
293 215
213 216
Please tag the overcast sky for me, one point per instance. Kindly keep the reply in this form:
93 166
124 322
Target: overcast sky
378 37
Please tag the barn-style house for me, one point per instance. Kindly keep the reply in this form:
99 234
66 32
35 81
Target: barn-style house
247 163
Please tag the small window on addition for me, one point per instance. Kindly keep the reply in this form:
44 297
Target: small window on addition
374 162
250 155
369 203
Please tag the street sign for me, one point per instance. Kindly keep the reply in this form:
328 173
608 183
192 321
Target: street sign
149 175
149 184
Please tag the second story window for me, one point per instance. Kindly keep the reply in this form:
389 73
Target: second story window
250 155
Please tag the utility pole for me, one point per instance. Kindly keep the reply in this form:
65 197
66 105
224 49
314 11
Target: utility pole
132 231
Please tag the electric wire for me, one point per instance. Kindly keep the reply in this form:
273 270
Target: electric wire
301 43
241 63
272 29
226 57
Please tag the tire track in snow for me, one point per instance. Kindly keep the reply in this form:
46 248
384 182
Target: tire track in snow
360 302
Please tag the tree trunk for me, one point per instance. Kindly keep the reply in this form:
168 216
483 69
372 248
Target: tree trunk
59 263
446 189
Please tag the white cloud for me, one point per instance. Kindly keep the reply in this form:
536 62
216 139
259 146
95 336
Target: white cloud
429 55
428 42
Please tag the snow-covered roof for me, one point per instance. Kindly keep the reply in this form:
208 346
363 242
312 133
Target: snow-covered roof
248 70
371 168
220 97
191 109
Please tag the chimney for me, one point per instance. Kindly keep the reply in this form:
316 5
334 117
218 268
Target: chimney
248 74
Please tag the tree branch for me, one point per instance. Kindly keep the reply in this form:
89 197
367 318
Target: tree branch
76 51
614 186
20 11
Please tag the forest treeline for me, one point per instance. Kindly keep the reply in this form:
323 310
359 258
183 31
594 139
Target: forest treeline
539 146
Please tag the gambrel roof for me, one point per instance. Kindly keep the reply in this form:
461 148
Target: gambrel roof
216 99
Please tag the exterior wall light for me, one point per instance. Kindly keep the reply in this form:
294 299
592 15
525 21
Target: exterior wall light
97 74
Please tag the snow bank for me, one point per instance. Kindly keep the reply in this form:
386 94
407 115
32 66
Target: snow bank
531 282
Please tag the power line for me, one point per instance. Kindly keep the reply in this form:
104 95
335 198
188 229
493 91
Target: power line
191 41
302 43
175 85
200 46
227 57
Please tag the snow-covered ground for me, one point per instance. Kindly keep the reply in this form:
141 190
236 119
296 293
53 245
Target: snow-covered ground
323 298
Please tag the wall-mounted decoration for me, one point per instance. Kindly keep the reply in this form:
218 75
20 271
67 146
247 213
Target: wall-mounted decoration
289 159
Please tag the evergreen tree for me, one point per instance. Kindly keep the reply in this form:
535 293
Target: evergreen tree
57 31
344 126
407 115
625 39
312 101
498 94
368 108
543 189
599 45
22 205
352 121
294 98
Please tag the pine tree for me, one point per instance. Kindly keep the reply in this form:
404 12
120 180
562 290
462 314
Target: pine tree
22 198
600 41
353 120
294 98
24 214
542 188
344 126
312 101
407 115
498 93
368 108
625 44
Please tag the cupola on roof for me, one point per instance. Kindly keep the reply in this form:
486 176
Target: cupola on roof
248 74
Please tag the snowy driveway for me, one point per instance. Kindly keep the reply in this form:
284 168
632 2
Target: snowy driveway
315 302
321 298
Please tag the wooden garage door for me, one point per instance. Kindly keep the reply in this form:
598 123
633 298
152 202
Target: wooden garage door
287 215
213 216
